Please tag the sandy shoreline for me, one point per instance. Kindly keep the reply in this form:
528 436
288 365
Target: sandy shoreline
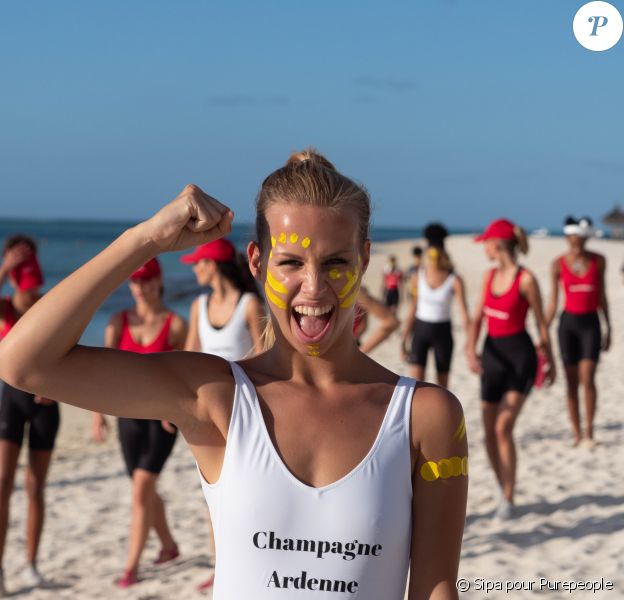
571 501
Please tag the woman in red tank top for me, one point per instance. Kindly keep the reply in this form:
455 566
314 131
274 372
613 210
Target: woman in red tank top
19 409
508 365
146 444
581 275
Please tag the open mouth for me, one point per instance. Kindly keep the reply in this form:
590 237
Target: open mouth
312 321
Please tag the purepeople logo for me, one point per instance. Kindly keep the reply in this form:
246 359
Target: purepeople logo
598 26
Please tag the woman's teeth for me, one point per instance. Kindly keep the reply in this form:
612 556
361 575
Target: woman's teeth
312 311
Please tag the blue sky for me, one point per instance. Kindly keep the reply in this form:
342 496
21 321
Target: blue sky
453 110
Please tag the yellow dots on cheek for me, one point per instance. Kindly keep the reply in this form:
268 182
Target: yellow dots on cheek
335 274
445 468
305 242
460 432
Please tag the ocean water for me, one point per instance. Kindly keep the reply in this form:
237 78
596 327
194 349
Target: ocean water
65 245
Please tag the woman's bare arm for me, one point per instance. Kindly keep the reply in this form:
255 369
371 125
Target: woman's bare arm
530 289
604 304
551 310
255 318
408 328
460 293
178 332
41 353
387 321
475 329
192 337
440 488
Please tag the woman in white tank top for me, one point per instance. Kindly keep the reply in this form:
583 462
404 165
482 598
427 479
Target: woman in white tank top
227 322
428 326
327 475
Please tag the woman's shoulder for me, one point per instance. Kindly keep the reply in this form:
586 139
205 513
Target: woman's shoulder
436 413
117 319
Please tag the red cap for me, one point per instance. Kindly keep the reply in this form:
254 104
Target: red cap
220 250
149 270
28 274
501 229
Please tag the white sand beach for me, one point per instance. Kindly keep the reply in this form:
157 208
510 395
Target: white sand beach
570 522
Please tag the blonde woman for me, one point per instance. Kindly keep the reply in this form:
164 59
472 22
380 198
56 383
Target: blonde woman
324 471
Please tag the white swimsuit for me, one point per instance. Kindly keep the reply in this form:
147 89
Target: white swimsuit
278 538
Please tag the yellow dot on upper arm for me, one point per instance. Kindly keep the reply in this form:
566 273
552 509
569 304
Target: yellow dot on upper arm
305 242
429 471
456 466
445 469
293 238
282 238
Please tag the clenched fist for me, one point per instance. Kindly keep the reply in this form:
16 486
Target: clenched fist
191 219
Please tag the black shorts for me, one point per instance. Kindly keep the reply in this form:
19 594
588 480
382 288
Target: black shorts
436 336
145 444
579 337
392 297
509 364
18 408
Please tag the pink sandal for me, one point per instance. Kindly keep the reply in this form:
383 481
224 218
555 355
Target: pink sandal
167 554
206 585
129 578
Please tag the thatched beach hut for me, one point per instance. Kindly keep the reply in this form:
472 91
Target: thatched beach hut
615 220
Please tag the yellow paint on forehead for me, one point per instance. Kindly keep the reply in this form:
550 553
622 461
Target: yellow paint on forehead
305 242
293 238
273 298
335 274
276 285
282 237
272 242
460 432
445 468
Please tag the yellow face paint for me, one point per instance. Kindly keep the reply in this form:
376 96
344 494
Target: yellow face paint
351 281
305 242
455 466
335 274
282 238
460 432
276 285
350 300
313 350
271 297
272 242
293 238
